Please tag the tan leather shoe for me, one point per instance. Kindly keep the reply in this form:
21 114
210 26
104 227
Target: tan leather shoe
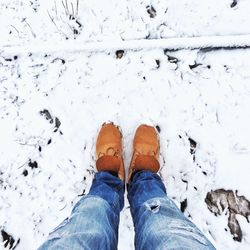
146 148
109 150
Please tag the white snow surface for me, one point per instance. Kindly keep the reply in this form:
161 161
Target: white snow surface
208 103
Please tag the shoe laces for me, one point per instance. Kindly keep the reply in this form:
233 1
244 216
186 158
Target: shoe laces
110 151
151 153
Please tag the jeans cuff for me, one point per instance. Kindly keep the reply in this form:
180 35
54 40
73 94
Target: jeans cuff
110 188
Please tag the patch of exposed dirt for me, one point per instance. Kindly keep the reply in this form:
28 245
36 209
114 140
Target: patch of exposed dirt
221 200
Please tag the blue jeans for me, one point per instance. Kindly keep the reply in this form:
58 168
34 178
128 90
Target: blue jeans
158 222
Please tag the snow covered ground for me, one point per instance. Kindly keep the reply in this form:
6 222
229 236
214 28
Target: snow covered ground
52 104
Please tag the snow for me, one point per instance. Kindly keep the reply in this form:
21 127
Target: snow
202 94
205 42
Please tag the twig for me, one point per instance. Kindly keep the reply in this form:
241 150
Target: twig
15 29
23 164
56 24
55 7
31 30
72 7
64 22
72 28
77 6
79 24
64 8
62 208
66 1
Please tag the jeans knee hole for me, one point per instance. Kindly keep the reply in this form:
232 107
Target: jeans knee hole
155 208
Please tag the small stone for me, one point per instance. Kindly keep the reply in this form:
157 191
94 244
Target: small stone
57 123
25 172
76 32
47 115
234 3
32 164
151 11
183 205
119 54
171 59
158 63
8 240
193 66
158 128
193 145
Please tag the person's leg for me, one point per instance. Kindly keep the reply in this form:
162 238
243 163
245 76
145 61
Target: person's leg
94 220
159 224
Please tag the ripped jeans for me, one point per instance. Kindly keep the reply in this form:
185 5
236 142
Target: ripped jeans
158 222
